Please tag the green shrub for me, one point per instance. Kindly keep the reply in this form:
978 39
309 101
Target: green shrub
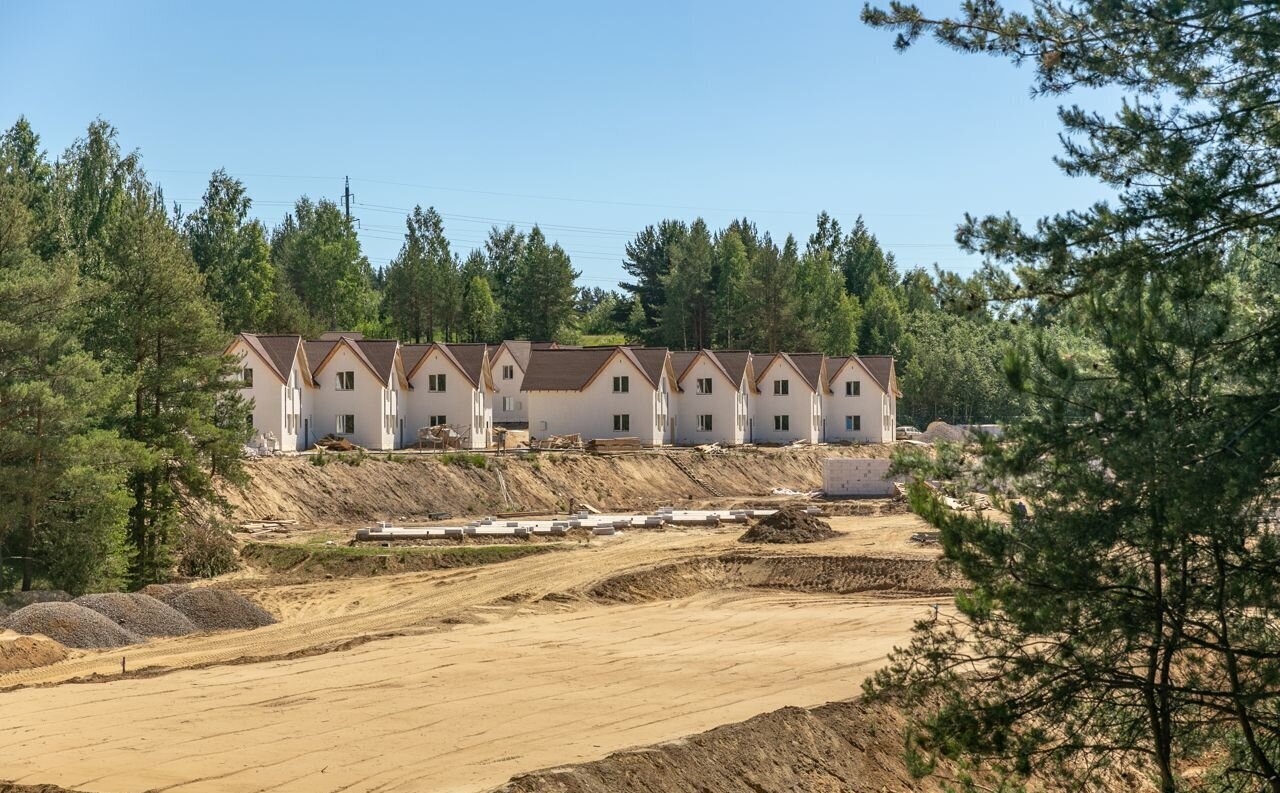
320 458
465 459
207 550
353 459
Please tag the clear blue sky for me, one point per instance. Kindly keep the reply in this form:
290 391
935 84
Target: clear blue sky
591 118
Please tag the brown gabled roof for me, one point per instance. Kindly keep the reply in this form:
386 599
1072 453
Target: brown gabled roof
519 350
563 370
278 351
412 355
652 361
317 351
734 363
681 360
380 354
881 368
807 364
470 359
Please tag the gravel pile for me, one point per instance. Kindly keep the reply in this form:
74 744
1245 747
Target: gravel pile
789 525
70 624
142 614
220 610
163 592
12 601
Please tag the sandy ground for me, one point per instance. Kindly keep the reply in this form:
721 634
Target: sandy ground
481 678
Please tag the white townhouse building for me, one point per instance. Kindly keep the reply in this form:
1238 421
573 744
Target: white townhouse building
601 392
453 385
509 363
788 405
275 375
360 391
714 398
860 403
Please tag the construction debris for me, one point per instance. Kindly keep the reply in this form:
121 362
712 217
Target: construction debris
615 445
138 613
786 491
927 537
71 625
789 525
333 443
553 442
219 609
942 431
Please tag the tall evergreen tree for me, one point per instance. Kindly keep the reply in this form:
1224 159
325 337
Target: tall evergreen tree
232 252
864 263
648 262
317 249
687 287
732 298
544 287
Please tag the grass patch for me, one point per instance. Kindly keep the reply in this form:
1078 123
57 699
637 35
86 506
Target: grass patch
602 339
344 561
464 459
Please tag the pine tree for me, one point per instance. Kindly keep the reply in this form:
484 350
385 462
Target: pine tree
1132 611
317 249
479 312
649 262
544 290
731 295
687 288
232 253
864 263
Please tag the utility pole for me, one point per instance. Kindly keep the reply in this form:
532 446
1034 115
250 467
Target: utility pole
346 197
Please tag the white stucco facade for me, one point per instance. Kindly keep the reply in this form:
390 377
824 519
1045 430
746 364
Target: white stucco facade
509 405
370 408
278 407
856 408
728 406
598 411
801 405
466 407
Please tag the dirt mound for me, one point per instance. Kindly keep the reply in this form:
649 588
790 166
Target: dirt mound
25 652
840 575
14 787
790 524
142 614
220 610
71 624
163 592
942 431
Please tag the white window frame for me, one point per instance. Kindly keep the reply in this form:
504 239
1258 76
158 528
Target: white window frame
853 388
781 387
342 423
436 383
622 422
508 404
436 421
622 384
782 423
508 372
704 422
346 381
704 385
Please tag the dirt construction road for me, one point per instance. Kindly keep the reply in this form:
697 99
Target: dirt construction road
521 683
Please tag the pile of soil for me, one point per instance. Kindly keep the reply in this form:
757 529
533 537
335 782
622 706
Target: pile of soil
220 610
142 614
25 652
70 624
335 444
942 431
789 524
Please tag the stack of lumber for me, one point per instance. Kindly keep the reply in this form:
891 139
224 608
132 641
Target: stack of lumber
615 444
267 526
573 441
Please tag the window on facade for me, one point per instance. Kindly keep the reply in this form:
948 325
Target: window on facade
782 423
704 423
248 420
704 385
621 385
852 387
346 381
622 422
246 377
435 382
508 403
853 423
346 424
781 387
508 372
436 421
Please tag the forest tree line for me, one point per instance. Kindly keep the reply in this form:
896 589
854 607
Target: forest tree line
116 407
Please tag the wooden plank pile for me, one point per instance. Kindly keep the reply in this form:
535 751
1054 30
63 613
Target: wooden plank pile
552 442
615 445
267 526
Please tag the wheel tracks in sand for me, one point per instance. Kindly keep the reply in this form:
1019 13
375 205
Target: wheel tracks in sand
410 602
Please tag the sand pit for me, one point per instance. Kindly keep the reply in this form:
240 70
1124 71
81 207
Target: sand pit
220 610
789 525
141 614
28 652
71 625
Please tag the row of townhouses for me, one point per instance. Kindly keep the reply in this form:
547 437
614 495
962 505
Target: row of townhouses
379 393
